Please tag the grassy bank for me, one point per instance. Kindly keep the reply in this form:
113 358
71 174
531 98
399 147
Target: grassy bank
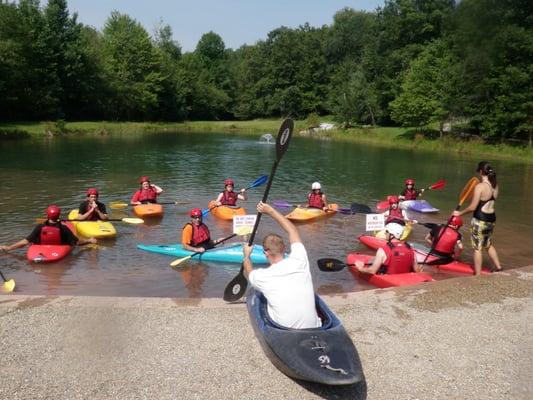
379 136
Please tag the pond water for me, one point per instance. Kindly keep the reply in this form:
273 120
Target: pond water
192 168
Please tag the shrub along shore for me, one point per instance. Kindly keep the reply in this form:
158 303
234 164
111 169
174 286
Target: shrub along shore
405 138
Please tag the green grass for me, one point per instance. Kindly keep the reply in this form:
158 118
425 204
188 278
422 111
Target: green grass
379 136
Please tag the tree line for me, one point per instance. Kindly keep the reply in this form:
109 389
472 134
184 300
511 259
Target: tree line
415 63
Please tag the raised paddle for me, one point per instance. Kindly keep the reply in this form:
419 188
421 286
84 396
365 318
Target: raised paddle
9 285
128 220
437 185
258 182
119 205
180 260
333 265
466 193
285 204
237 286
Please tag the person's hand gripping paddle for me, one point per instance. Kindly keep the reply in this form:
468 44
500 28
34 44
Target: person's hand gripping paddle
238 285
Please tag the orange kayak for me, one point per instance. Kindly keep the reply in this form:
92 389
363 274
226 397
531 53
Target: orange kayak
301 214
225 212
148 210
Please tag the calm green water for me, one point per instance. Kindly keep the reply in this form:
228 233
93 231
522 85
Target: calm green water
193 167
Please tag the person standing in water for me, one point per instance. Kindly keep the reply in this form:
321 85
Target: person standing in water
484 216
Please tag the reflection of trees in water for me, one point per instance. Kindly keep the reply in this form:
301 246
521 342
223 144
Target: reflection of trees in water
193 276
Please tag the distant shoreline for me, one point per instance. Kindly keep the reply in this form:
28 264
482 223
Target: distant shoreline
379 136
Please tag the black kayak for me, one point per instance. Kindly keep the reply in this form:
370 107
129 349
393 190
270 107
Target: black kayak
323 355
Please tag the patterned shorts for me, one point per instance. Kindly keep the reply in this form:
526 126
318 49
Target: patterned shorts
481 234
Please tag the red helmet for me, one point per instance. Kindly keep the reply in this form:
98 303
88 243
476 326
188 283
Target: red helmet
410 181
457 221
144 179
92 191
196 212
229 182
394 199
53 212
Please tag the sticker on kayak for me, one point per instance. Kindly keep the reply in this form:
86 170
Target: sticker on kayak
375 222
243 224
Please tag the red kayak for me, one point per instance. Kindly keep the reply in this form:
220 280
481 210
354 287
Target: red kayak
46 253
385 280
421 253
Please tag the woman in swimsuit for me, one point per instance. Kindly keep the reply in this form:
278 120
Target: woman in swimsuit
484 216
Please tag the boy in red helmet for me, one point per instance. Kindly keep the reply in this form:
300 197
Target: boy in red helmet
147 193
228 197
410 193
52 231
91 209
449 245
195 235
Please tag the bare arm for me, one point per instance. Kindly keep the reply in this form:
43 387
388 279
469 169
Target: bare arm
379 259
325 202
20 243
158 190
286 225
242 195
247 263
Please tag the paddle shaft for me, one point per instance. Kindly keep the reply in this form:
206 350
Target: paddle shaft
3 277
220 242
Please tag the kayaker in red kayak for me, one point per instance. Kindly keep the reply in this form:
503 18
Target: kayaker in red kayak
395 213
286 284
410 193
147 193
317 199
395 258
92 209
484 218
195 235
449 246
228 197
51 232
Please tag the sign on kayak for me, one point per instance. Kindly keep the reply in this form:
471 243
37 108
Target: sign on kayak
243 224
375 222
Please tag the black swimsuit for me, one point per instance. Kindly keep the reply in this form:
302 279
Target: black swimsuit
483 216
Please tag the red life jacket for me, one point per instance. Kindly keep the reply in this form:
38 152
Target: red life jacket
315 200
200 234
50 235
147 195
396 215
229 198
400 258
410 194
447 241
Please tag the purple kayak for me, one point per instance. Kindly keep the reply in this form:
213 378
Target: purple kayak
421 206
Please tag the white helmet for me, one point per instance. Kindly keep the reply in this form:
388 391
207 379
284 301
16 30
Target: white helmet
394 229
316 185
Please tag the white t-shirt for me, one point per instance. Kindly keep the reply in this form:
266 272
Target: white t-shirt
288 288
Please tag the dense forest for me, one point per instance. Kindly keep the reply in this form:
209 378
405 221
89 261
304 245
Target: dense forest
416 63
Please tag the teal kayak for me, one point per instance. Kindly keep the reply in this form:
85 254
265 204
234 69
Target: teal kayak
230 254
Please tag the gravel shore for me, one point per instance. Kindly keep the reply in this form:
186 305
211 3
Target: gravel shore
463 338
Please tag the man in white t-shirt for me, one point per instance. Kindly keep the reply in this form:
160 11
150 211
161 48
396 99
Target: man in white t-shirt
286 283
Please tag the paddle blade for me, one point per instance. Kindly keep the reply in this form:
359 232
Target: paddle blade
132 220
345 211
360 208
430 225
284 137
8 286
468 190
236 288
330 264
281 204
438 185
258 182
118 205
179 261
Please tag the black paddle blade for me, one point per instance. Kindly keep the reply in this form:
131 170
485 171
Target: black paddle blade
330 264
430 225
236 288
284 137
360 208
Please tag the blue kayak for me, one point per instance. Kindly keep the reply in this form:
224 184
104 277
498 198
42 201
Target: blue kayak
421 206
323 355
231 253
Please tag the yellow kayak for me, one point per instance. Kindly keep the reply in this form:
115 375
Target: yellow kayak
148 210
95 229
225 212
303 214
406 232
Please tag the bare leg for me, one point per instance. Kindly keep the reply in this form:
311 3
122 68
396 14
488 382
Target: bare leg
493 254
478 260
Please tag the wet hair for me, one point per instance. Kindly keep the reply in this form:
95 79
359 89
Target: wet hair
486 169
274 243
